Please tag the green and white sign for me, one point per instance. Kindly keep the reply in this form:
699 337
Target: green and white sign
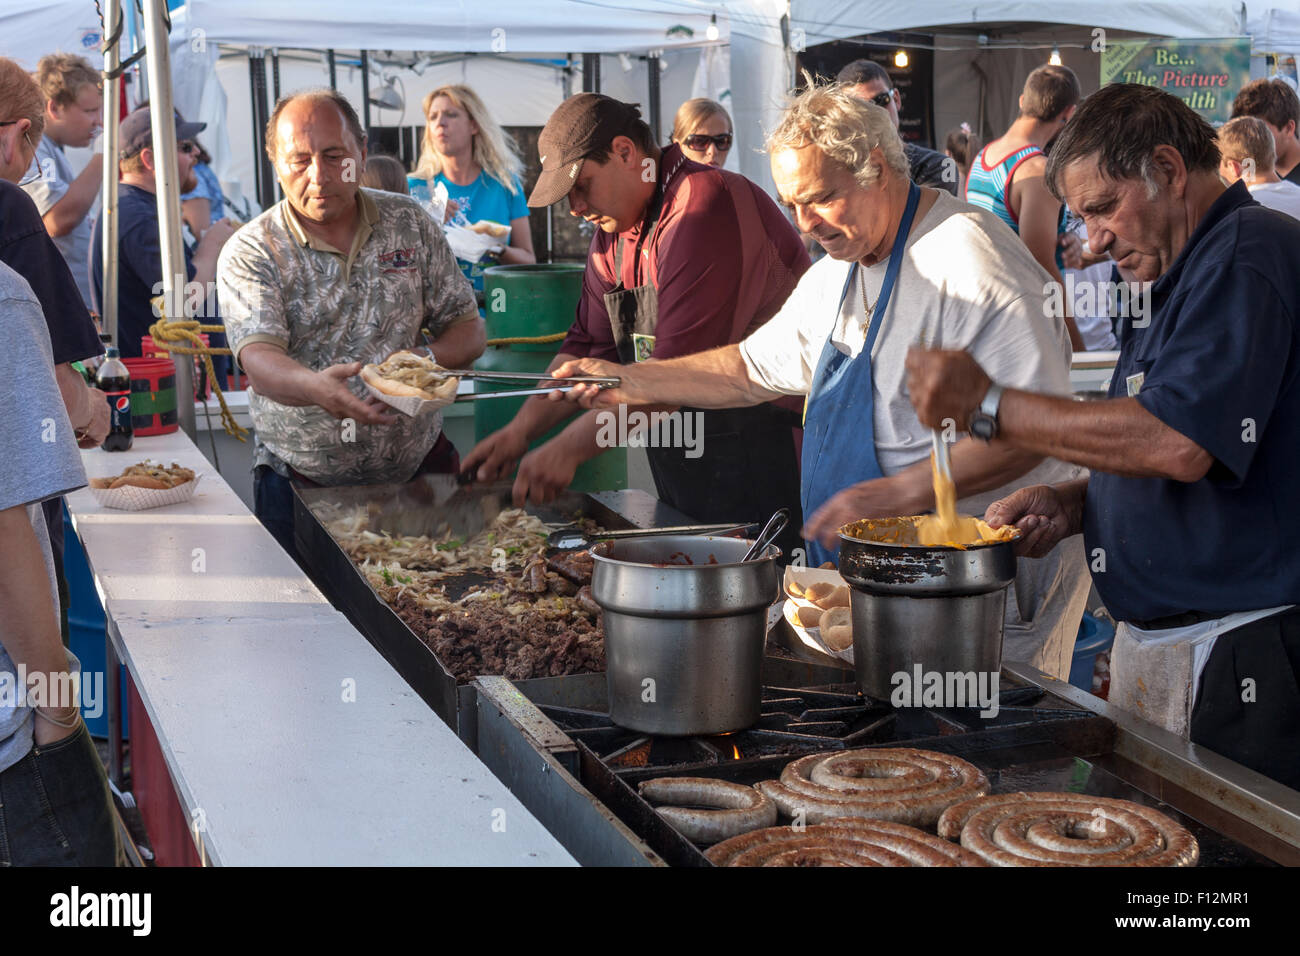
1204 73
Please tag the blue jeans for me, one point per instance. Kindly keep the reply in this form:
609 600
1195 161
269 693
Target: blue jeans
56 809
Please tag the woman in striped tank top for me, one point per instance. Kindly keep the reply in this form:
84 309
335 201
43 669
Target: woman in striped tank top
1007 176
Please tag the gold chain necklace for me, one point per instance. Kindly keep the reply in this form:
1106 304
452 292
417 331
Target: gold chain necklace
866 306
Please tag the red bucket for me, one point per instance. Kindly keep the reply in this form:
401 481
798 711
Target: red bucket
150 349
153 395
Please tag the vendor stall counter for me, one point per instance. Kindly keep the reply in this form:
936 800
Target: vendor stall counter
271 728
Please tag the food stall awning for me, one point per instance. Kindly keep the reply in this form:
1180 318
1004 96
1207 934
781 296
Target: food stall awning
509 26
824 20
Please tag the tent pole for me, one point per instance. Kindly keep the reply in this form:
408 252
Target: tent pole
652 69
174 275
365 95
591 72
108 215
275 75
334 76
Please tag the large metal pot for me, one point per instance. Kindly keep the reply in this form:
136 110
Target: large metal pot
683 641
937 607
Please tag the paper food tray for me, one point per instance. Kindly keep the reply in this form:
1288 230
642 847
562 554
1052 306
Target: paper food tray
412 405
131 498
810 636
469 245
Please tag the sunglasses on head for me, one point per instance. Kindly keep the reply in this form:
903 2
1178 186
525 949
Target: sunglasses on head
699 142
883 99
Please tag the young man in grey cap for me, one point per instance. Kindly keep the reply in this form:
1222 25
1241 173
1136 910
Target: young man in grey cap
140 267
687 257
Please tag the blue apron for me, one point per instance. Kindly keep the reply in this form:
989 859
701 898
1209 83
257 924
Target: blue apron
839 434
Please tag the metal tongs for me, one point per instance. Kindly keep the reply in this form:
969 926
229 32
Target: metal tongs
475 374
598 381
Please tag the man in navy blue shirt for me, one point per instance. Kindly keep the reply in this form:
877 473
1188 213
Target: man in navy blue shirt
140 270
1189 517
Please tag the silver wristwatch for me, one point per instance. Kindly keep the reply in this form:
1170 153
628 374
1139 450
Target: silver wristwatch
984 420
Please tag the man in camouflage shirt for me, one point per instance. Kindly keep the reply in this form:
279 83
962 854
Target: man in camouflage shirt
331 278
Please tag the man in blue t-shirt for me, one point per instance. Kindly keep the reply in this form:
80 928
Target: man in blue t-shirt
140 269
1189 517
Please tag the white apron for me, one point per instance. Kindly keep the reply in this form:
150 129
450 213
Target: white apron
1156 674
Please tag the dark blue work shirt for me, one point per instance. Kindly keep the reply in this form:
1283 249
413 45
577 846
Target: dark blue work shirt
139 270
1220 363
27 248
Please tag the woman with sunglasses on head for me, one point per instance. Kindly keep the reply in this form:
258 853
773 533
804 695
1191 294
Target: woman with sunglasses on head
478 162
703 129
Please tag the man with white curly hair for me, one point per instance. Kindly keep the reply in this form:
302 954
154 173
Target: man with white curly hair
905 264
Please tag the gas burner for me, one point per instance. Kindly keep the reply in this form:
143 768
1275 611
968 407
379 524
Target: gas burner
793 722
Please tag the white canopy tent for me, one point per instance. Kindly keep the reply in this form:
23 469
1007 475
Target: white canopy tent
1276 30
983 53
29 30
503 26
514 53
825 20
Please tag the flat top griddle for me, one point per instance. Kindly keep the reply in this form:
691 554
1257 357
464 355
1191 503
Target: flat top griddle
406 509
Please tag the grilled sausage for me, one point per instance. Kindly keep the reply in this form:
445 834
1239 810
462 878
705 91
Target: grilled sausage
732 808
588 602
900 784
840 843
1067 829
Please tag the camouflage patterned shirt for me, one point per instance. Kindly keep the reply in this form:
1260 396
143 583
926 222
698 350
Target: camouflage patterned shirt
277 284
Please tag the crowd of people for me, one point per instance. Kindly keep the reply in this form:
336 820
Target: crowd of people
700 293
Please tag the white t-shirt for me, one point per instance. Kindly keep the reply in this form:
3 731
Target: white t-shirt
1092 312
1283 196
966 281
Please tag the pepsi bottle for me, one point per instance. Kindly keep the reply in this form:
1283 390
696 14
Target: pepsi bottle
114 380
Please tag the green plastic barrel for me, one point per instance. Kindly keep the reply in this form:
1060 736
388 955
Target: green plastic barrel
527 301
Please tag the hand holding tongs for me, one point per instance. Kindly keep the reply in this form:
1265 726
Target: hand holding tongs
598 381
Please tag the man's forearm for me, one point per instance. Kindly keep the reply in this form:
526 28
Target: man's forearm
76 397
461 343
205 267
30 629
717 378
1073 495
581 438
272 374
1116 435
73 205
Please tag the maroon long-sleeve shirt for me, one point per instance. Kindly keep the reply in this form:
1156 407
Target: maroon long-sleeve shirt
722 261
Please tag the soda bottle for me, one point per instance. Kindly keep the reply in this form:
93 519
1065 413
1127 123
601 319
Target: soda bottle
114 380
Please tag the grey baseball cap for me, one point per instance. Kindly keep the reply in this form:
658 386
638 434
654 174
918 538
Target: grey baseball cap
136 132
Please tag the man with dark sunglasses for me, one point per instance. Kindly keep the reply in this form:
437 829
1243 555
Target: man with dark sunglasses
870 81
140 267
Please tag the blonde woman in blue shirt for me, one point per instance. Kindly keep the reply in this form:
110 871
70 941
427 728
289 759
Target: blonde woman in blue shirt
479 163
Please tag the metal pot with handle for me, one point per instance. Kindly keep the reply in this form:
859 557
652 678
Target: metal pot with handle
685 622
940 607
